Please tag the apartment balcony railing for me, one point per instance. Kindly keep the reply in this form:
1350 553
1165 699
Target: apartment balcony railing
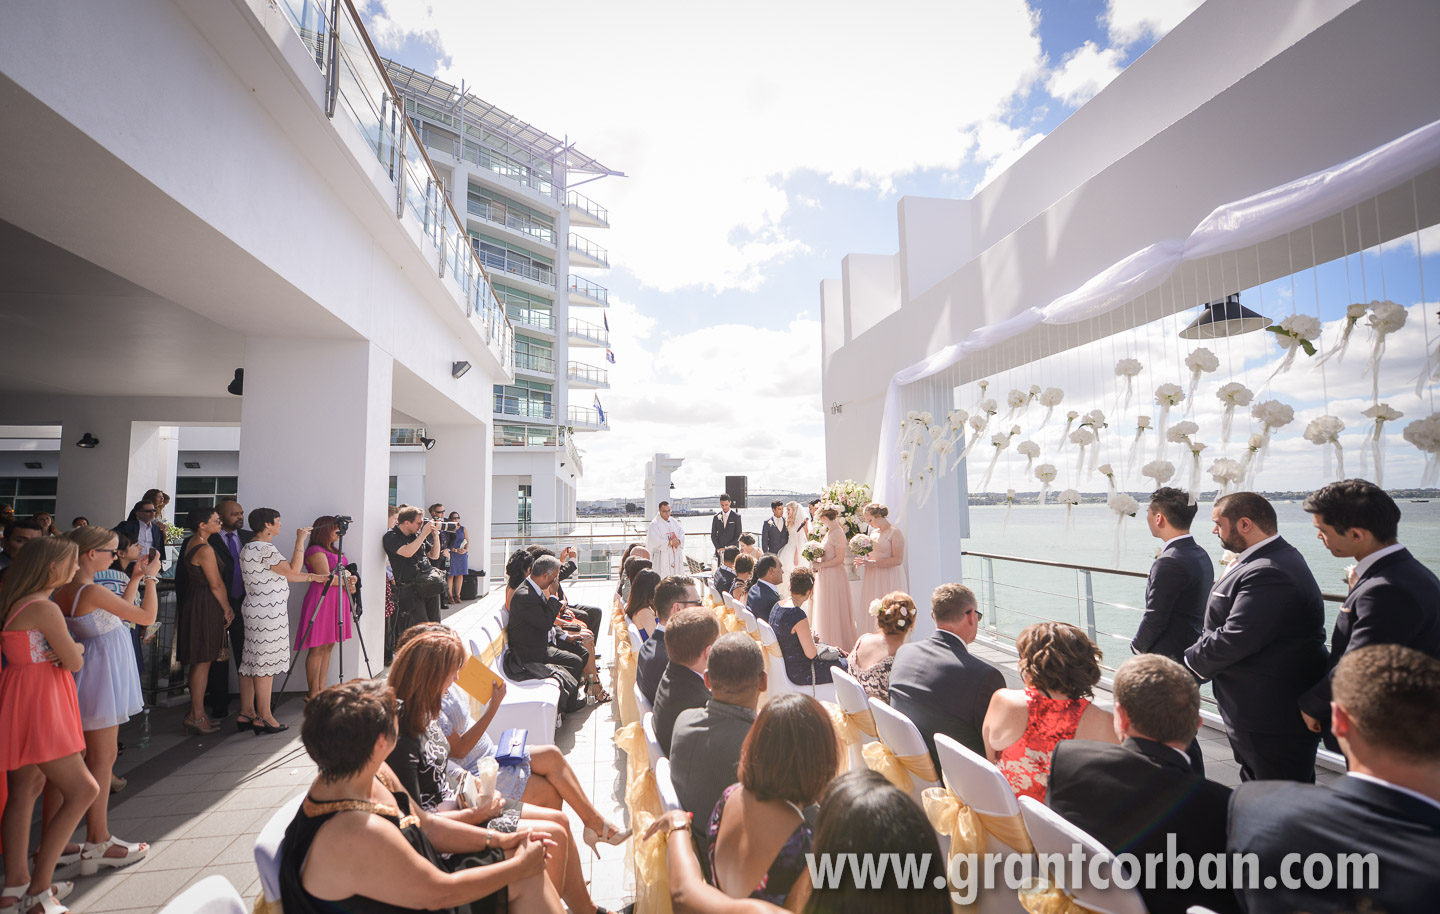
584 375
583 417
542 364
533 272
593 291
526 436
492 161
584 211
406 437
523 408
587 253
582 332
357 87
521 312
499 215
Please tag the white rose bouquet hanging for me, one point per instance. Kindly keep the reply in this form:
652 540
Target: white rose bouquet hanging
1195 448
1009 503
1386 317
1271 414
1425 435
1294 333
1001 441
1232 395
1142 425
1167 397
1353 314
1046 473
1108 472
1226 473
1069 498
1375 438
1070 418
1127 369
1029 450
1162 471
1124 505
1200 361
1017 400
1084 438
1326 430
1050 398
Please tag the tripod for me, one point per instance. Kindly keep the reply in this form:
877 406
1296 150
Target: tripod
355 611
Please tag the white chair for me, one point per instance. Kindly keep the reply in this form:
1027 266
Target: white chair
211 895
900 735
669 799
657 752
851 698
779 680
267 848
530 704
1052 834
636 642
982 787
642 702
731 602
752 624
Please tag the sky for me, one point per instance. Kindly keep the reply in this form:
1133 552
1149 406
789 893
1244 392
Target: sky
761 142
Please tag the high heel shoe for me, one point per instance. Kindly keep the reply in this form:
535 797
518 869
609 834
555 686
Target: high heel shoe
243 723
613 836
261 727
202 727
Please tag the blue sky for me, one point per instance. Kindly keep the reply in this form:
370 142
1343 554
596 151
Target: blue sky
757 158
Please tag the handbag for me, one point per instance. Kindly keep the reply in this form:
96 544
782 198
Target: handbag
429 581
510 750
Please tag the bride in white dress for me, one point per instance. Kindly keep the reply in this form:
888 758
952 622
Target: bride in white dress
798 526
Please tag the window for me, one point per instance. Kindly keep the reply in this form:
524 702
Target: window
526 436
394 491
29 494
193 492
523 512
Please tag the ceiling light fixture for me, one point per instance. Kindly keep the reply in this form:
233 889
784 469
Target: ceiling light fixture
1224 318
458 369
87 441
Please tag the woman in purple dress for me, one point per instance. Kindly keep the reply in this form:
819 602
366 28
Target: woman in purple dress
322 625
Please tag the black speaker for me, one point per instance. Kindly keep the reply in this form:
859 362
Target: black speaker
738 489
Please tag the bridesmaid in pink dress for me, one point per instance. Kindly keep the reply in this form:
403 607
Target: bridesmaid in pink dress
884 568
834 610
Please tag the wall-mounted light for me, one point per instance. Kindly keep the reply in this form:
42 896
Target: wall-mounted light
87 440
458 369
428 443
192 464
836 409
33 465
237 386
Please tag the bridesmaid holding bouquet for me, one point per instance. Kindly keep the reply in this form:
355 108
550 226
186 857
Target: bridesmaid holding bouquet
834 610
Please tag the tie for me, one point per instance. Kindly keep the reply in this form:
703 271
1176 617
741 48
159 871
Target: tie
233 541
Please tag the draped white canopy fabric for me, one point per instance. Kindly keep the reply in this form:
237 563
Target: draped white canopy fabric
1229 227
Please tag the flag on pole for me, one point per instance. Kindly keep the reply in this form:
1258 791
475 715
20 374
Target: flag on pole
609 356
599 409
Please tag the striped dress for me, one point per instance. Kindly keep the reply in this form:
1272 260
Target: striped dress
266 612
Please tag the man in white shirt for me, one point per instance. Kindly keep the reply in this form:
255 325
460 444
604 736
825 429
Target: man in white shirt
666 541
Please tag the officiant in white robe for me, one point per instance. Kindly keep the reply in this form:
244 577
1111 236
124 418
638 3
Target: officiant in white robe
666 541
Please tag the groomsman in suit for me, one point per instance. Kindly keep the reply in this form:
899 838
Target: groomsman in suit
1263 643
773 535
1394 599
1134 796
688 637
765 591
1386 716
725 528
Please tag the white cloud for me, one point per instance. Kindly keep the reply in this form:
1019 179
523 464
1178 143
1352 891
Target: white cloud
1129 21
1084 72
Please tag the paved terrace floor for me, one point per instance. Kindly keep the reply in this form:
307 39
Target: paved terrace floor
201 801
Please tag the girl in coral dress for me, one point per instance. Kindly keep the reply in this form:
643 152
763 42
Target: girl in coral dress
40 736
833 609
883 568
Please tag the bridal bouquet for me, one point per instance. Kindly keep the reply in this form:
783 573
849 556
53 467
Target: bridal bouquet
861 545
1294 333
813 552
1375 437
1326 430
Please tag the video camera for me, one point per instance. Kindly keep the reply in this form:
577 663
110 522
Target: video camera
342 523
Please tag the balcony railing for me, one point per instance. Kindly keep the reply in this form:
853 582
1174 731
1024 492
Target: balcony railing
525 409
526 436
358 88
587 374
500 215
523 312
533 272
581 286
585 417
406 437
598 214
585 330
589 249
527 361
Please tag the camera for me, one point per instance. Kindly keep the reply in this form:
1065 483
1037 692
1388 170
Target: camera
447 526
343 522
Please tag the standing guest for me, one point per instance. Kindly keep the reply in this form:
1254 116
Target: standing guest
1059 665
267 617
412 539
324 623
1386 716
447 542
203 615
666 542
7 512
725 528
747 547
640 609
117 578
17 534
834 607
1263 644
874 655
774 533
1134 796
797 529
108 686
766 590
807 661
79 522
391 624
40 732
1394 599
459 556
46 520
672 594
143 527
814 508
884 567
227 545
705 744
159 499
724 579
937 683
688 637
758 834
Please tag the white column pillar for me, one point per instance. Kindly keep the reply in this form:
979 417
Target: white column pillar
457 472
94 482
154 461
315 439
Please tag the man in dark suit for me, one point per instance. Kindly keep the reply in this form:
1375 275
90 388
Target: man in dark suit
688 637
725 527
590 615
1143 796
937 683
1386 716
1393 599
227 545
1263 643
765 592
773 535
671 594
705 747
532 619
724 579
142 527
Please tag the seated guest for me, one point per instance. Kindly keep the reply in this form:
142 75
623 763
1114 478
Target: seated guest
874 654
516 568
1060 666
724 578
673 593
636 552
758 834
747 547
640 608
1385 713
1394 598
765 587
360 843
705 747
589 616
533 610
807 661
861 814
1133 797
937 683
744 571
688 637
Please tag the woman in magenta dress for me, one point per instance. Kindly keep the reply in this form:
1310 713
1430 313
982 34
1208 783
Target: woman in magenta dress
883 568
320 629
40 736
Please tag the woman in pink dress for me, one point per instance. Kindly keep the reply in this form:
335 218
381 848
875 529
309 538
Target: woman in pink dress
883 568
833 609
324 628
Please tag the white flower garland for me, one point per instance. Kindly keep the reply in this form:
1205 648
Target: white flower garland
1375 438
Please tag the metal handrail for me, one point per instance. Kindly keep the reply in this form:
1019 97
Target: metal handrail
577 371
532 362
589 331
545 276
585 204
525 409
499 215
582 245
591 290
584 415
523 310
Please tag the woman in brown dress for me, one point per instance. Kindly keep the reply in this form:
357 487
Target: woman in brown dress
204 616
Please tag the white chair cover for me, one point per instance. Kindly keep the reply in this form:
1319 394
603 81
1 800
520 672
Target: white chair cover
851 698
900 735
668 797
642 702
657 752
267 847
211 895
1052 834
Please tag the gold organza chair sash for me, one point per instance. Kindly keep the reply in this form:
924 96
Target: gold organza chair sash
969 829
846 733
897 769
731 623
625 662
1044 898
262 906
642 797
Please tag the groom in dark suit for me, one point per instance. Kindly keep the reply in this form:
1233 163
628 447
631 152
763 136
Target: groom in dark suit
1263 643
773 535
724 528
1394 599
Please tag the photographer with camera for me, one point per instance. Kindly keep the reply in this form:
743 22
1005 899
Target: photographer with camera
413 545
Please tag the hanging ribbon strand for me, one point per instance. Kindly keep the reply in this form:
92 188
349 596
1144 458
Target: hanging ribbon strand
1271 414
1069 498
1232 395
1124 505
1142 425
1046 473
1200 361
1353 313
1375 438
1326 431
1127 369
1108 472
1385 318
1167 396
1001 441
1084 438
1009 503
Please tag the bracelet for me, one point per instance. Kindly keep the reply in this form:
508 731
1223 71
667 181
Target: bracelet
151 577
487 840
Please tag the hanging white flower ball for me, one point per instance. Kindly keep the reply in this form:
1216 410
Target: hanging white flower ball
956 419
1301 327
989 406
1356 311
1051 397
1169 394
1382 412
1256 442
1095 419
1273 413
1016 399
1123 504
1105 469
1068 497
1224 470
1386 316
1324 430
1162 471
1128 368
978 422
1046 473
1082 436
1235 394
1000 440
1181 431
1424 433
1197 446
1142 423
1028 449
1202 359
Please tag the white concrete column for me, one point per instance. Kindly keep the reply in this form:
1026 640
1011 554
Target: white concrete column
94 482
315 439
154 462
457 472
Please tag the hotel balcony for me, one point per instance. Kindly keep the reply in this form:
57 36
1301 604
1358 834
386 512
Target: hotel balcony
527 318
527 231
584 333
587 376
585 292
534 365
518 408
542 277
586 253
585 419
586 212
527 436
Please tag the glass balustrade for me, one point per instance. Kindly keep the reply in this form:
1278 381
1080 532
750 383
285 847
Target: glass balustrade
589 249
579 285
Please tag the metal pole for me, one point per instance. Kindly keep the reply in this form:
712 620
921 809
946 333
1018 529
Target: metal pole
332 69
990 594
1089 605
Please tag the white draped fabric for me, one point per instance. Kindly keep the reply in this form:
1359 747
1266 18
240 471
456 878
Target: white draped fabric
665 558
1230 227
